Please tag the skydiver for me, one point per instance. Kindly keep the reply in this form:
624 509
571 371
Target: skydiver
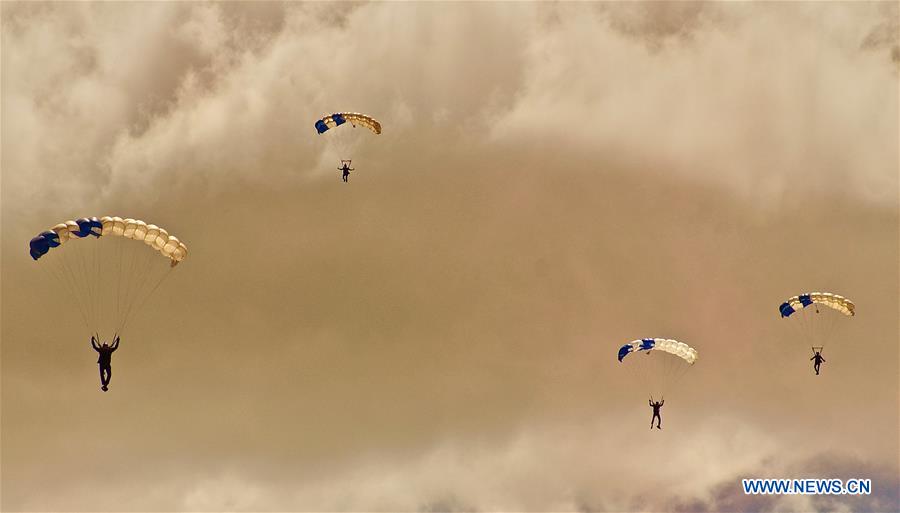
656 406
105 360
817 361
345 167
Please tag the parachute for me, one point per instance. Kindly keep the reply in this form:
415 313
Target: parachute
814 315
834 301
341 139
661 364
354 118
104 267
679 349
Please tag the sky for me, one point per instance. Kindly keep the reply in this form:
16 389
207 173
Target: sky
439 334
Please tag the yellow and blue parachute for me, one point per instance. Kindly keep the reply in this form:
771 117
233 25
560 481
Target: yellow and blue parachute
354 118
814 316
657 364
679 349
152 235
833 301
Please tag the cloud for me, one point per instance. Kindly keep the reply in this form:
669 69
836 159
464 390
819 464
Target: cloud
718 102
884 37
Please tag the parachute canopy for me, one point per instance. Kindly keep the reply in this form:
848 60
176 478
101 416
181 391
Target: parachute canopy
679 349
839 303
150 234
354 118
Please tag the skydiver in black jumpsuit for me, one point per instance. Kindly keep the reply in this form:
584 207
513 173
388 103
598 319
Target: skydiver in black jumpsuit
105 360
656 406
345 167
818 361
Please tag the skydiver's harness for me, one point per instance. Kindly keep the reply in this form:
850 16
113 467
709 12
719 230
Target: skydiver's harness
817 354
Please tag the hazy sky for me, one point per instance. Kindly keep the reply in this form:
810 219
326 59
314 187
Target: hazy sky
440 333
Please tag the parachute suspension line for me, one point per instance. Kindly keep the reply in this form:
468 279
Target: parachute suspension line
62 265
55 267
818 325
78 278
147 296
104 314
85 282
126 277
119 259
131 280
809 327
94 284
678 374
118 262
140 275
667 374
657 372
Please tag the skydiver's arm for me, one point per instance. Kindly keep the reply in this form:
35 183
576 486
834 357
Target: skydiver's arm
813 358
823 359
94 344
663 402
650 402
115 344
